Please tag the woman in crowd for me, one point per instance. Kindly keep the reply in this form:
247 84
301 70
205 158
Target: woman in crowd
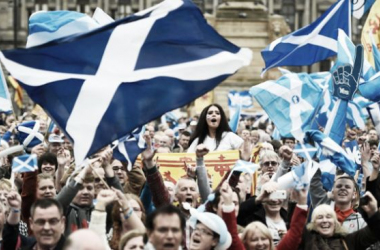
120 226
325 231
257 236
133 240
213 131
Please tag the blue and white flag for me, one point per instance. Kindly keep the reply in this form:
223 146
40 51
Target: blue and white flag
244 167
24 163
129 147
242 98
29 135
312 43
308 149
46 26
332 151
359 7
290 102
125 74
346 55
234 121
5 99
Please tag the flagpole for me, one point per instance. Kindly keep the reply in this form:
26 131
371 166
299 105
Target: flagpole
349 20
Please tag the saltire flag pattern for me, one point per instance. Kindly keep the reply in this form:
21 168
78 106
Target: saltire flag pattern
101 85
24 163
129 147
312 43
290 102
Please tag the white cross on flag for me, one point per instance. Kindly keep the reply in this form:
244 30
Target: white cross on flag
24 163
100 85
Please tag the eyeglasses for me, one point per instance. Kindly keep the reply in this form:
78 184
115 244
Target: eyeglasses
267 163
203 231
51 222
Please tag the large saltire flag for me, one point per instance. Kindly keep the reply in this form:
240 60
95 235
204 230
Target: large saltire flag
99 86
312 43
290 102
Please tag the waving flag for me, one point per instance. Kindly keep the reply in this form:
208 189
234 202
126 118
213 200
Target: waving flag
371 27
331 150
310 44
290 102
48 26
129 147
244 167
234 121
5 99
309 149
359 7
126 73
346 55
24 163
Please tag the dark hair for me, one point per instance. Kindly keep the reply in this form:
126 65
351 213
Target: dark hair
276 145
46 203
186 133
49 158
167 209
373 142
215 203
201 131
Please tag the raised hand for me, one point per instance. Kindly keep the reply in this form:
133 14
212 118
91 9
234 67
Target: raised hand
201 151
346 78
226 193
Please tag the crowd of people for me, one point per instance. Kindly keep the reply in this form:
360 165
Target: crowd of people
102 205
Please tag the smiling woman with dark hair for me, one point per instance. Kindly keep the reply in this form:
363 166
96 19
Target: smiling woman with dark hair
213 131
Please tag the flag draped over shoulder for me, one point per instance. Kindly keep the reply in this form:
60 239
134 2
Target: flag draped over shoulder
290 102
101 85
312 43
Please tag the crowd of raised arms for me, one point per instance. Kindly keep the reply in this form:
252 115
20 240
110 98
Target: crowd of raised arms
103 205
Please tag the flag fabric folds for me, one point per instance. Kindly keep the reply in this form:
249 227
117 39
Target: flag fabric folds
290 102
359 7
29 135
234 121
312 43
332 151
126 73
24 163
5 99
129 147
371 27
19 93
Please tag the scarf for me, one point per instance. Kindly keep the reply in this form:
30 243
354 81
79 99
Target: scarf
77 218
342 215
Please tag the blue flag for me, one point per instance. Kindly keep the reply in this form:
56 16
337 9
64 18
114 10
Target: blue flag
125 74
129 147
24 163
234 121
290 102
359 7
29 135
312 43
332 151
5 99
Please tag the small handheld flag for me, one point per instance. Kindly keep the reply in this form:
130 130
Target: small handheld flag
25 163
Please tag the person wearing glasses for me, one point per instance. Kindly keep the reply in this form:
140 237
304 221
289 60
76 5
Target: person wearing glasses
209 232
46 222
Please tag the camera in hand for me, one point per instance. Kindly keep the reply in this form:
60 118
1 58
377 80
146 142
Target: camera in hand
364 200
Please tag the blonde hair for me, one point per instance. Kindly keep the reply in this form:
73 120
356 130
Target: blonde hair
6 185
128 236
247 233
325 209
